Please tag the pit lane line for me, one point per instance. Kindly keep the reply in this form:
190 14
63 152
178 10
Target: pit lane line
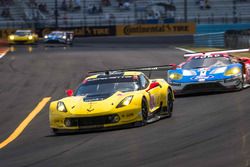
25 122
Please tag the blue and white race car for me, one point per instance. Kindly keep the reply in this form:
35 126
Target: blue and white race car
210 72
65 37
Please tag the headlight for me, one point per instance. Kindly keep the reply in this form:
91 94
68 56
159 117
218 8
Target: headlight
61 107
30 37
175 76
232 71
126 101
218 70
189 73
12 37
64 37
46 36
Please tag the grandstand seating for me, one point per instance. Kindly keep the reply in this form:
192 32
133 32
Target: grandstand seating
23 14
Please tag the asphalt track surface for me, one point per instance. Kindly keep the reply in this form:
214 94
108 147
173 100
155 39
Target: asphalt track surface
211 130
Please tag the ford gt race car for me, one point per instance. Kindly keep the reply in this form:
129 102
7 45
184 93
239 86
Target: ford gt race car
210 72
65 37
112 99
23 36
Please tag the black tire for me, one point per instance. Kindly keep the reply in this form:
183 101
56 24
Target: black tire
170 104
55 131
240 86
144 111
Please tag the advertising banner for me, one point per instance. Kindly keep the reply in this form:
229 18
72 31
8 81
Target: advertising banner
156 29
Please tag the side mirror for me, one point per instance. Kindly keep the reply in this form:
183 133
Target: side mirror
174 66
69 92
153 85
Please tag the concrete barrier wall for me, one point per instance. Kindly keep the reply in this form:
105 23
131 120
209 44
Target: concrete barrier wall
237 39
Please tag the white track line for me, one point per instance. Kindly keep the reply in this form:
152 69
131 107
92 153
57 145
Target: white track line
185 50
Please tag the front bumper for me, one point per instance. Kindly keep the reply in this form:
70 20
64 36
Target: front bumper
55 40
206 87
21 41
70 122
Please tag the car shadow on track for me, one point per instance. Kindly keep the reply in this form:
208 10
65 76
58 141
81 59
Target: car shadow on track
92 131
206 94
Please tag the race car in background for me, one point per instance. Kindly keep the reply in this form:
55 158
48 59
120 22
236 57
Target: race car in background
210 72
112 99
23 36
65 37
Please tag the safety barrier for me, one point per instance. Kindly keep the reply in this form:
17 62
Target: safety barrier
209 39
121 30
237 39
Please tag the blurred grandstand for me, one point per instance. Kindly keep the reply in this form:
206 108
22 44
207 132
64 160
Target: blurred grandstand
78 13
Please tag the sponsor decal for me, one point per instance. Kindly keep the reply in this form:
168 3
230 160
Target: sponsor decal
209 56
100 31
130 115
202 78
158 29
203 72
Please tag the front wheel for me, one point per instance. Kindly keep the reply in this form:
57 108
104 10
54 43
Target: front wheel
144 111
170 104
240 85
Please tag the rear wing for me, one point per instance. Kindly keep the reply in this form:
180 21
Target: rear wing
149 69
216 52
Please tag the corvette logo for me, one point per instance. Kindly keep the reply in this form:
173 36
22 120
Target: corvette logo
91 108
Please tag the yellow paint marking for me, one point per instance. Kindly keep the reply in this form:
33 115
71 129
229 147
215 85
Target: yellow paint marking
25 122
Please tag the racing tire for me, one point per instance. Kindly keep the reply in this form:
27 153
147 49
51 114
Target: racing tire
55 131
144 111
240 86
170 104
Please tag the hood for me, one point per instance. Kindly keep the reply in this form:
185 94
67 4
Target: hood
203 74
96 97
91 105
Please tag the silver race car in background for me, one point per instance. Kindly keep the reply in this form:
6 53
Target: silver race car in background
65 37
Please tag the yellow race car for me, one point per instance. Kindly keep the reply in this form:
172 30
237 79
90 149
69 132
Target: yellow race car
23 36
112 99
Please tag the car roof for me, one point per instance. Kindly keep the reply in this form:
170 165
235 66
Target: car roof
126 73
205 56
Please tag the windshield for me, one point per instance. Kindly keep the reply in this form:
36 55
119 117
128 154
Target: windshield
21 33
206 62
57 33
108 86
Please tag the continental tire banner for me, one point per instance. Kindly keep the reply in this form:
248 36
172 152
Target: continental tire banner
94 31
100 31
156 29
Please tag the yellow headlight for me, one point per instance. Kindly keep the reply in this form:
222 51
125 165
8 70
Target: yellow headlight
30 37
126 101
12 37
61 107
233 71
175 76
